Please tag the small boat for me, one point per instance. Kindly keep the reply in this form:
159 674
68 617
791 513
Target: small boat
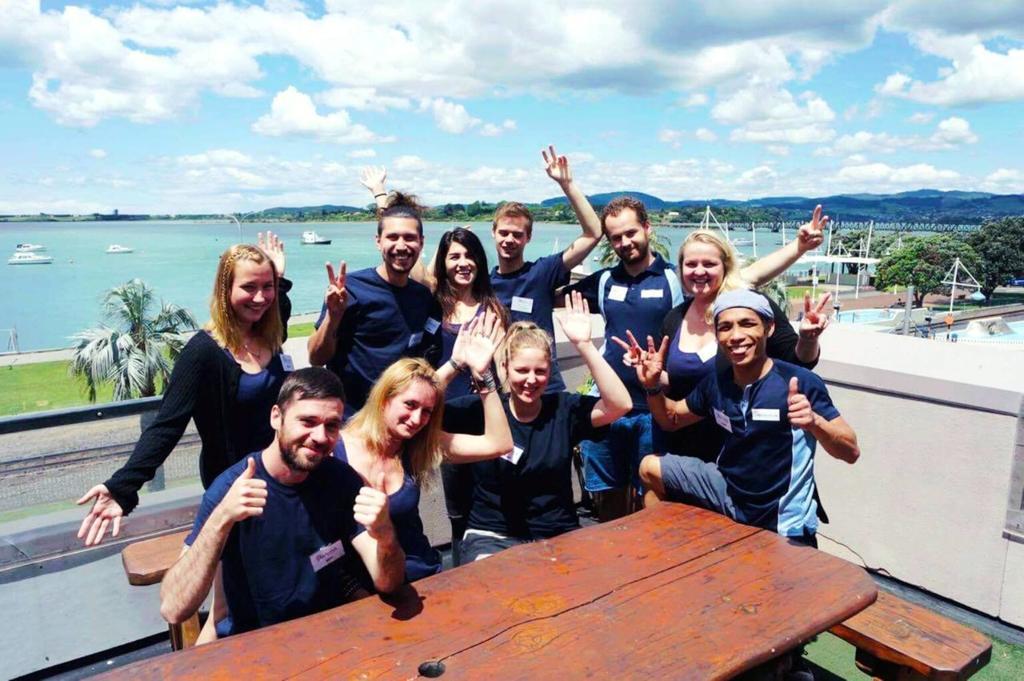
118 248
29 248
311 238
24 258
742 242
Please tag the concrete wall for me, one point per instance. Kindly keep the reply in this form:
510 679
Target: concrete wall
939 478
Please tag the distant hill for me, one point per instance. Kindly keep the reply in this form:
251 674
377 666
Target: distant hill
922 205
307 211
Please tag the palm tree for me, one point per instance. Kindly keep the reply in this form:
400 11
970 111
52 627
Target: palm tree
137 349
659 244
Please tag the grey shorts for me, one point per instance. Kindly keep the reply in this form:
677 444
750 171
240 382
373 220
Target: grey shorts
479 544
691 481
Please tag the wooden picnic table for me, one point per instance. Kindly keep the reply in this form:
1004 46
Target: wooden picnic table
670 592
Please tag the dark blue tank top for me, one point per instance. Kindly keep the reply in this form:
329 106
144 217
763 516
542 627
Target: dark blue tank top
421 559
685 370
250 414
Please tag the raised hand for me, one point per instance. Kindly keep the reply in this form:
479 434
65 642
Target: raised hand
477 342
373 177
246 497
272 245
812 234
800 413
336 298
371 509
104 513
815 319
557 167
576 320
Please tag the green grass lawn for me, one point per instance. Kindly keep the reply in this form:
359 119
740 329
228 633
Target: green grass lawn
834 659
300 330
38 387
797 292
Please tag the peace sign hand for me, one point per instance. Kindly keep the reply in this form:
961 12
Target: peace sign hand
815 320
272 245
557 167
336 298
648 363
812 234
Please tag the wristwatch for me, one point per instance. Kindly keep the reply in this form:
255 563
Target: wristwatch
656 390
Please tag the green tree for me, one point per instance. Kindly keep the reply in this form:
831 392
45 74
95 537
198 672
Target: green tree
135 349
923 263
1000 246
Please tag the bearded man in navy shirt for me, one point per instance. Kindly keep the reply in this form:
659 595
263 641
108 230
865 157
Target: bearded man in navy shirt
773 413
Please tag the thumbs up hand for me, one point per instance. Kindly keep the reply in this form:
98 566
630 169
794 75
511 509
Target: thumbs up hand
800 413
247 496
371 508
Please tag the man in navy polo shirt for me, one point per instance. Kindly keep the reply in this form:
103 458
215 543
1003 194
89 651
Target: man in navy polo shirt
635 294
527 289
375 316
281 520
773 413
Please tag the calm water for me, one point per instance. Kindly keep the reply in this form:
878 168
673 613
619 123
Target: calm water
48 303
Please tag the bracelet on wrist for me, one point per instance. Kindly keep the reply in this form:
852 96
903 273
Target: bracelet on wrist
377 196
458 366
485 384
656 390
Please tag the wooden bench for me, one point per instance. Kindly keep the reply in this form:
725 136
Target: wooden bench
900 640
146 562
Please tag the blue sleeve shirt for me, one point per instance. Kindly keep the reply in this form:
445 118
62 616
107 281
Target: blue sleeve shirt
268 565
382 323
529 294
638 304
768 465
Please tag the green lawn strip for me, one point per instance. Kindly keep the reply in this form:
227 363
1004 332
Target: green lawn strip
835 657
300 330
42 386
797 292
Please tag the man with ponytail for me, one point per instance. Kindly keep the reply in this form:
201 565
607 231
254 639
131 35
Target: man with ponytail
375 316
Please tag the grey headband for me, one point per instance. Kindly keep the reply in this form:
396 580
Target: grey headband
743 298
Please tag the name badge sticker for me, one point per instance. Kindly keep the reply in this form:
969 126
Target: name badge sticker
326 555
432 325
764 414
415 338
520 304
722 420
513 456
617 293
652 293
287 363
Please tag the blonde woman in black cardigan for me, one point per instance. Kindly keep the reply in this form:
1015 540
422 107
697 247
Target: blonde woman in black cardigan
226 379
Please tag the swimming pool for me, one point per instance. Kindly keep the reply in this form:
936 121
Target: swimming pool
1017 335
867 316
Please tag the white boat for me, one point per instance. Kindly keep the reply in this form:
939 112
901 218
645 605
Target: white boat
742 242
118 248
29 248
24 258
311 238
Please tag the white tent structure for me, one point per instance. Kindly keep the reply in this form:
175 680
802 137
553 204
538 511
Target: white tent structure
951 278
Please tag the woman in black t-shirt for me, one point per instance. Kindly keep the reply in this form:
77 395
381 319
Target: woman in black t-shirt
527 494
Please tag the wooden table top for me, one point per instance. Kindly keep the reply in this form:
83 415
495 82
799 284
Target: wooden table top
670 592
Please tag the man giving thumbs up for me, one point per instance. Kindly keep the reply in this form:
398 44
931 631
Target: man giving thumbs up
279 521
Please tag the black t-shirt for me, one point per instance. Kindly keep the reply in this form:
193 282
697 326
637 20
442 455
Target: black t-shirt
528 493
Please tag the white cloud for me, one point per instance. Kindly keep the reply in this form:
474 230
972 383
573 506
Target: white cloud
361 99
950 133
705 135
696 99
921 118
98 153
362 153
772 115
759 176
449 116
976 74
777 149
494 130
890 178
1005 181
673 138
293 113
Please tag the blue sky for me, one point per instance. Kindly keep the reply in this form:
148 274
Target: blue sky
178 107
